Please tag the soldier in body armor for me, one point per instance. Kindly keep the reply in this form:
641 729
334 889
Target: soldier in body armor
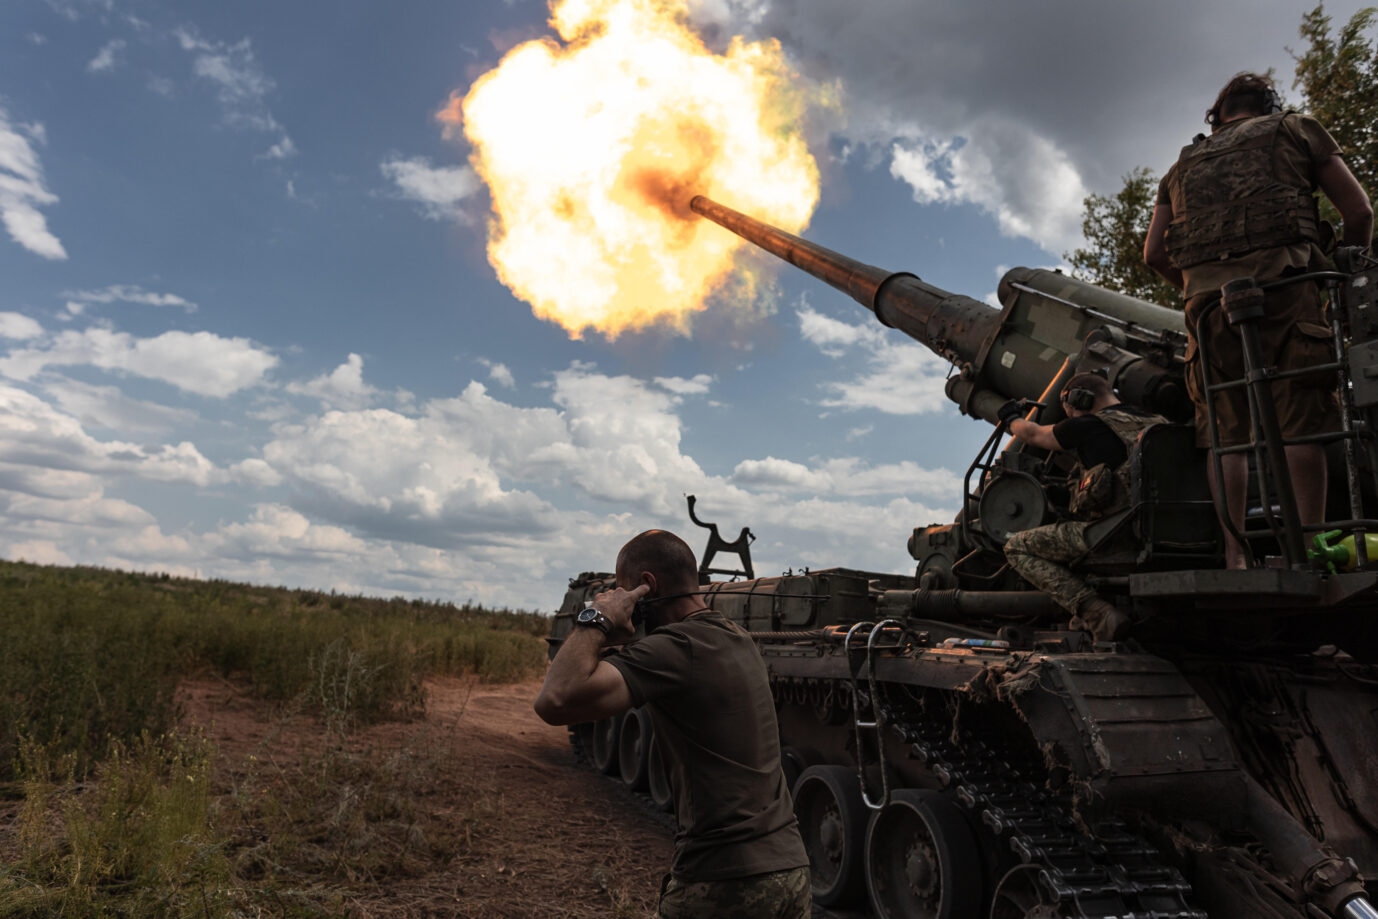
1101 430
1239 204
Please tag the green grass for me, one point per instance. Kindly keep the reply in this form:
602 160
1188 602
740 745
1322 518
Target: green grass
117 815
136 841
92 657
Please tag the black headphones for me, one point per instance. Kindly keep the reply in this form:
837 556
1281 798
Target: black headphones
1272 105
1079 399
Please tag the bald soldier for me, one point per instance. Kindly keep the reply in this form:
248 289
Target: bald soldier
738 853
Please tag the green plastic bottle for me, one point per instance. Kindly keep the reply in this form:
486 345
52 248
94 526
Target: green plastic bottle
1341 554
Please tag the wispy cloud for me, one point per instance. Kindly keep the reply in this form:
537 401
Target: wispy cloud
899 377
23 189
125 293
73 10
499 373
440 190
241 86
696 385
109 408
107 57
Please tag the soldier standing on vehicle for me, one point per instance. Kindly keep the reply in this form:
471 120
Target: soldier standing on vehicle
1240 204
1101 430
738 852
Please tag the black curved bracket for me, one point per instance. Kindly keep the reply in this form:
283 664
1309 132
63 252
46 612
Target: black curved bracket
740 547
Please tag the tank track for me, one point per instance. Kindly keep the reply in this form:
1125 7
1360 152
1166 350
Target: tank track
1113 874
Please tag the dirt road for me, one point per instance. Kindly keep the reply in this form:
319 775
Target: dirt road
522 830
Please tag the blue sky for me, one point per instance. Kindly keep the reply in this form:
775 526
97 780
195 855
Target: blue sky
248 330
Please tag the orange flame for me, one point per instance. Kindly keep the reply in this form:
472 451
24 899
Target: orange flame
593 145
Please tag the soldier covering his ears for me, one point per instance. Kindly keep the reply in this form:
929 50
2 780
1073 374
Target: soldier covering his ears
738 852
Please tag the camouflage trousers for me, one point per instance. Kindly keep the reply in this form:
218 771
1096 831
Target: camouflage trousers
1041 556
777 895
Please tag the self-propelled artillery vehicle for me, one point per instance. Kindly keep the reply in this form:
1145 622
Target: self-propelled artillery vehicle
957 750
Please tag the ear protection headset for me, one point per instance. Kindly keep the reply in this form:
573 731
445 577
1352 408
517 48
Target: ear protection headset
1272 105
1079 399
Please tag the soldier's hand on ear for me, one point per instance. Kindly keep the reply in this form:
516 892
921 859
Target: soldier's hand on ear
617 605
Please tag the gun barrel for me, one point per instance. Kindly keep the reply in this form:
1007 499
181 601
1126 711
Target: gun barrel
952 325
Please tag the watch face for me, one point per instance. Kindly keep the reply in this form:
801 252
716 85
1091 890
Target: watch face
587 614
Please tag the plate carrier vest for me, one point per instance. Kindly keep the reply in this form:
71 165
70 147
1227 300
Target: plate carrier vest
1228 201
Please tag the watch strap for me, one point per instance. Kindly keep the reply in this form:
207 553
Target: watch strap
597 620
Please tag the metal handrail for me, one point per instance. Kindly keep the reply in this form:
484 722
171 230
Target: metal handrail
1289 536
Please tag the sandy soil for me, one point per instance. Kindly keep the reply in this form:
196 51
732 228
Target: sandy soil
531 832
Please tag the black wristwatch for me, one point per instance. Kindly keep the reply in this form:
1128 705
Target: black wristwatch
593 617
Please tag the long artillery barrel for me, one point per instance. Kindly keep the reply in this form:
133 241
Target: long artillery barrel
1051 325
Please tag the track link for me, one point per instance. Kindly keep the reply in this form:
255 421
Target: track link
1113 874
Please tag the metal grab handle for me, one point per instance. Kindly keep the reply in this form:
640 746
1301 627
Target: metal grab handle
877 722
1359 908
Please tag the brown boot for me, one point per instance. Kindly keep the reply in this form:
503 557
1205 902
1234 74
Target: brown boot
1105 620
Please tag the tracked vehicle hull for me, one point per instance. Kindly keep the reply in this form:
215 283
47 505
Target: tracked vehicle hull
1064 778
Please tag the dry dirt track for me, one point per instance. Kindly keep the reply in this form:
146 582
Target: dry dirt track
539 835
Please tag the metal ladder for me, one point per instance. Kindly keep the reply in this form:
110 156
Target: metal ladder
877 721
1267 445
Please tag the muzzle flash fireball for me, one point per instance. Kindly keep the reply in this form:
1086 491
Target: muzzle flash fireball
592 144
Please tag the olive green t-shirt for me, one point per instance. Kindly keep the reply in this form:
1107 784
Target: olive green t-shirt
706 687
1301 146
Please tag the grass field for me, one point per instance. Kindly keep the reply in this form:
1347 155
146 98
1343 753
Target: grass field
117 815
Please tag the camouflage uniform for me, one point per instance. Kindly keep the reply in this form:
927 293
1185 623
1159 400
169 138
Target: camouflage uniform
777 895
1041 557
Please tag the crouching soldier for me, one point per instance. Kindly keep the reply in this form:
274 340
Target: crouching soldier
1101 431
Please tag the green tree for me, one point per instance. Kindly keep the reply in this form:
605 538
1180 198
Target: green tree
1338 79
1115 228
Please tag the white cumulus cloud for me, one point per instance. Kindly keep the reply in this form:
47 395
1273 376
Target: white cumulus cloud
1025 181
343 387
34 433
18 326
199 362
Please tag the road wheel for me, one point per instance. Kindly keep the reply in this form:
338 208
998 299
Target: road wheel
605 735
832 820
922 860
658 779
793 762
634 748
1020 896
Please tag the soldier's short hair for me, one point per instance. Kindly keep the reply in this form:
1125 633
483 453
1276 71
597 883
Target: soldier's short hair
667 557
1246 94
1093 383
